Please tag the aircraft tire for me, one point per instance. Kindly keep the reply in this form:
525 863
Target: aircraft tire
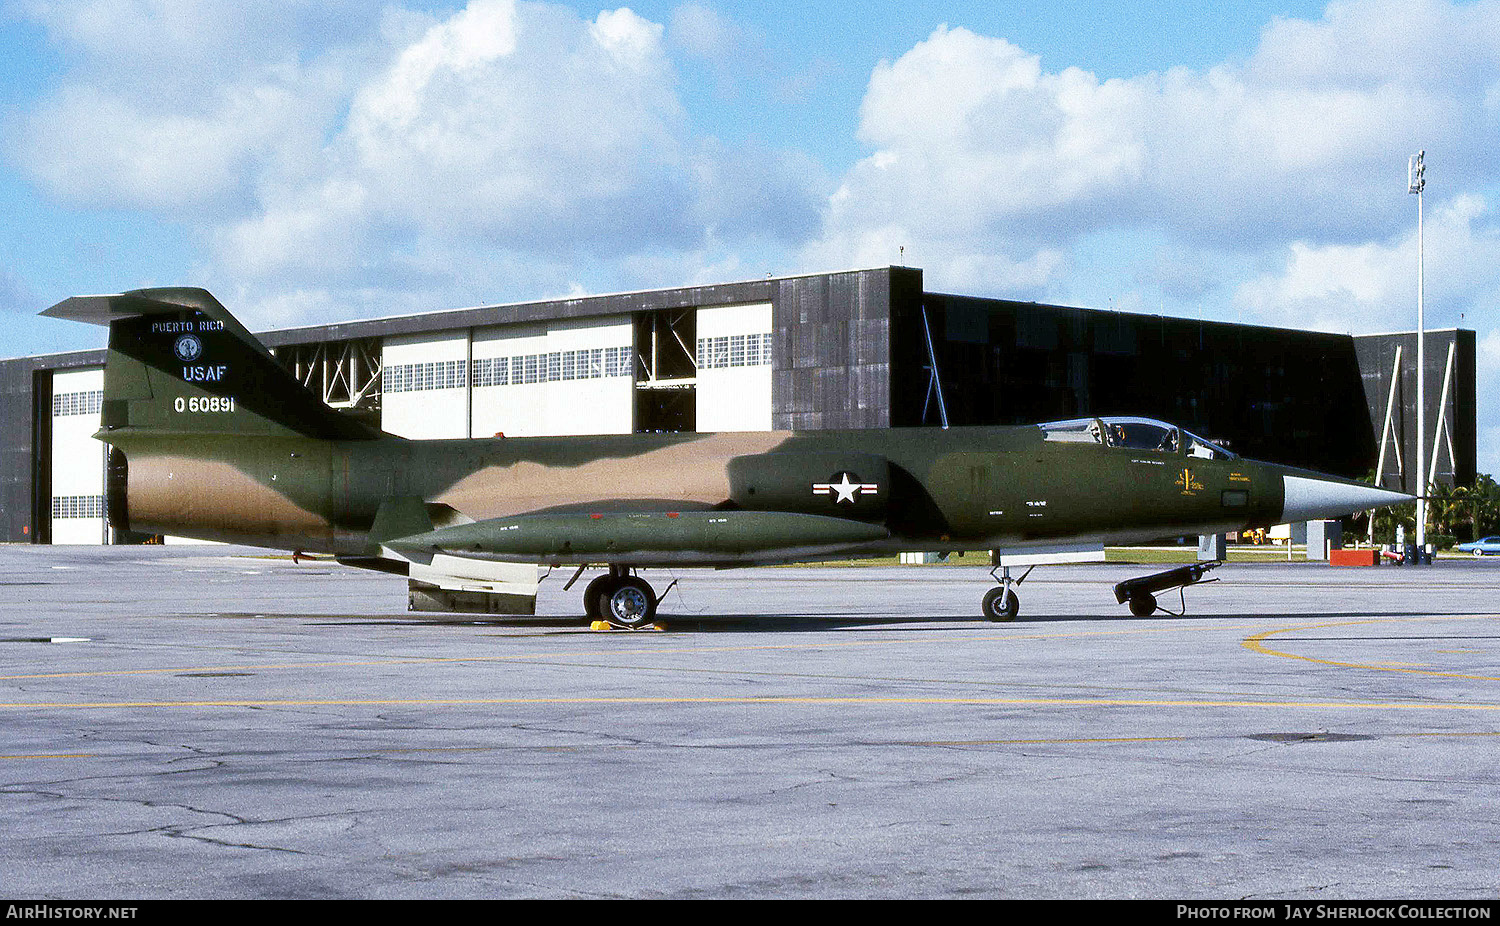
628 602
1001 604
591 592
1143 604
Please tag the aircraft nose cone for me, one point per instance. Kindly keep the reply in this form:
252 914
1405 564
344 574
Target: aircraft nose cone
1309 499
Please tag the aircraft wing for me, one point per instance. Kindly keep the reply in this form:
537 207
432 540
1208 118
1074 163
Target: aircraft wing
645 537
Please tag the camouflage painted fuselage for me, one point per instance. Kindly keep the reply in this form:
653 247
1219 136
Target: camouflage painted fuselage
213 439
933 489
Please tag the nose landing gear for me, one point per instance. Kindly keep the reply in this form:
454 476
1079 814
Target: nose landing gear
1002 604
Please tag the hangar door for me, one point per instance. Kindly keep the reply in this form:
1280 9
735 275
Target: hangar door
77 459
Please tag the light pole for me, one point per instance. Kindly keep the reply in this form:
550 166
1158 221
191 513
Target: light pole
1415 182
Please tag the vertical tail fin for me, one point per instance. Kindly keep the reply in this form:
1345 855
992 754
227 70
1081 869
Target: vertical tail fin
179 362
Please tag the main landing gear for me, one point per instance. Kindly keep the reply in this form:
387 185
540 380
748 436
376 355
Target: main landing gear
1002 604
620 598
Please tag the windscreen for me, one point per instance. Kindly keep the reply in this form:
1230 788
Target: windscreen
1133 434
1074 430
1208 450
1140 435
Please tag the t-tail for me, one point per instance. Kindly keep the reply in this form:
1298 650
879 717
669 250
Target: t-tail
179 362
206 428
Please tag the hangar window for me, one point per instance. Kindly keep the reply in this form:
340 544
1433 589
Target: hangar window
492 371
739 350
588 363
415 377
77 403
78 506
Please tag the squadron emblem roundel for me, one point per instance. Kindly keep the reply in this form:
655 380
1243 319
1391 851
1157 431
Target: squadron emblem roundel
188 348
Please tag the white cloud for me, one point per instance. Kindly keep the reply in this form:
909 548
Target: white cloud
322 159
525 130
101 149
1272 189
182 108
976 148
1372 286
482 32
336 157
702 32
527 127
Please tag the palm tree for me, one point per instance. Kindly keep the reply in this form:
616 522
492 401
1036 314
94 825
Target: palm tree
1484 506
1447 508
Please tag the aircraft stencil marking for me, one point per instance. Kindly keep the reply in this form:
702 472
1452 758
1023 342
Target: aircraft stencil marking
204 404
204 374
846 488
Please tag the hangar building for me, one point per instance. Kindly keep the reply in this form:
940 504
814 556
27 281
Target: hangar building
854 349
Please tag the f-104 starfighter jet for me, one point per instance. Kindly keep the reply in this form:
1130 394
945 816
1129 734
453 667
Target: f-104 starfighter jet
210 437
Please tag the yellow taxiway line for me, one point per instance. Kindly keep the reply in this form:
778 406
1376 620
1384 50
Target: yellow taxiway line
1256 644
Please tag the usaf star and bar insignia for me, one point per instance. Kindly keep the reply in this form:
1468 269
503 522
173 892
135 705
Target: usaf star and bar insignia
846 486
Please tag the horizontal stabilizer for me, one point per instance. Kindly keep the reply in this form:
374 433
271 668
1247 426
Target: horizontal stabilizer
167 300
179 363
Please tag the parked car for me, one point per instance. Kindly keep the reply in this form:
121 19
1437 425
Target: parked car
1485 546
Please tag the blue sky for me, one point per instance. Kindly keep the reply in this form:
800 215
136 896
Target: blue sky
312 161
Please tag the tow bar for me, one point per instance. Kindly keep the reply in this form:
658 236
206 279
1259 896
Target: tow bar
1141 592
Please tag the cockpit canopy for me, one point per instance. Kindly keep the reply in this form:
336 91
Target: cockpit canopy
1133 434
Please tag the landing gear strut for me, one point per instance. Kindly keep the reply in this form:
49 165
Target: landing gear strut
1002 604
620 598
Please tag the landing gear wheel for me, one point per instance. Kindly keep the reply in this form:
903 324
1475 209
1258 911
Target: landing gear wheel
1001 604
591 593
1143 604
627 602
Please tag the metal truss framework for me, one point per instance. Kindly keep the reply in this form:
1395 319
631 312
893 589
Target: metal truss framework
345 373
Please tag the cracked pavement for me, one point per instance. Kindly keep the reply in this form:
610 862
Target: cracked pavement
233 725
